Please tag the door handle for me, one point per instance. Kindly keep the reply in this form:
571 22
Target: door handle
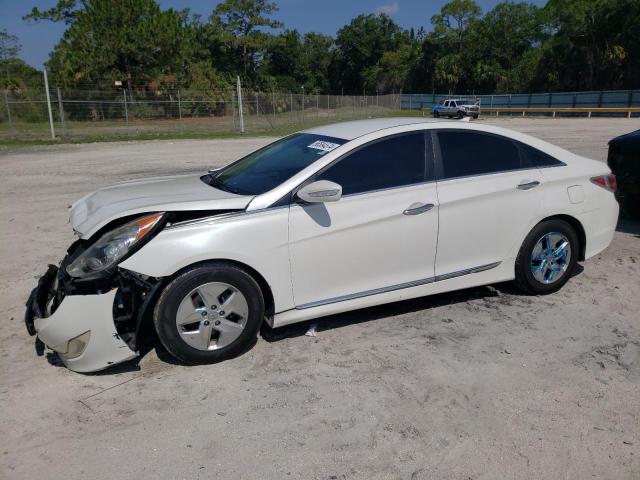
418 208
528 185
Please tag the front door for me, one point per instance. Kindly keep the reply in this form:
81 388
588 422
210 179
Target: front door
380 236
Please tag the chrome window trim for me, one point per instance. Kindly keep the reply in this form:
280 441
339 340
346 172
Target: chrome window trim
400 286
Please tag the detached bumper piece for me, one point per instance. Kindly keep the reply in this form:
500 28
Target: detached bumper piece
80 328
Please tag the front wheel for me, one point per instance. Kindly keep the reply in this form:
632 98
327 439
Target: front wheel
436 114
209 313
547 257
460 115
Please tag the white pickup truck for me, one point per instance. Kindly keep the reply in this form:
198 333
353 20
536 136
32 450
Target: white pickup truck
456 108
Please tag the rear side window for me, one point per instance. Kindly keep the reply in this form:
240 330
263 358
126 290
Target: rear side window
532 157
473 153
389 163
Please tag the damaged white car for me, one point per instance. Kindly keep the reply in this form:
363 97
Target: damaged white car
324 221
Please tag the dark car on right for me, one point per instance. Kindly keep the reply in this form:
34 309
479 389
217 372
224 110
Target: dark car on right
624 162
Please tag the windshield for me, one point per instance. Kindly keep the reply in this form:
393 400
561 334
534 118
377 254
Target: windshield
267 168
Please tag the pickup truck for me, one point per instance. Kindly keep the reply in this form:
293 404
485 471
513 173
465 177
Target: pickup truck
456 108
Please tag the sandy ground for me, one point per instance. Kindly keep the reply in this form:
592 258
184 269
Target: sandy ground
478 384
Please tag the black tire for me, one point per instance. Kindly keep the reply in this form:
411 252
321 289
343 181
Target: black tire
164 315
525 279
475 117
436 114
460 114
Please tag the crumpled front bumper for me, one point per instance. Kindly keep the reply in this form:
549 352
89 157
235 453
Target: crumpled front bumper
74 316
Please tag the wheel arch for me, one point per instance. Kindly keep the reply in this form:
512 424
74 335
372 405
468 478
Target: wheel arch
267 294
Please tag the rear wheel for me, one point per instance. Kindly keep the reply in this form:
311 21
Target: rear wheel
547 257
209 313
436 114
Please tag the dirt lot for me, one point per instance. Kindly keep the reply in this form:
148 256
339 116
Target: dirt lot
479 384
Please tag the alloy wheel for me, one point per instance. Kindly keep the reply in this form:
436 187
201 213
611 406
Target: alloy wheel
212 316
550 257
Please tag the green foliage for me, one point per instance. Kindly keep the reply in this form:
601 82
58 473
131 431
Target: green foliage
516 46
356 66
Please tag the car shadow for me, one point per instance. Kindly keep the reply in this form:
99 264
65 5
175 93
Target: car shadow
388 310
628 225
380 312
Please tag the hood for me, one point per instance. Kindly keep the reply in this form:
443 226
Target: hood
159 194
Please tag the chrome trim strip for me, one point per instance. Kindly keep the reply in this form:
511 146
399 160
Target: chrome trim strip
392 288
221 216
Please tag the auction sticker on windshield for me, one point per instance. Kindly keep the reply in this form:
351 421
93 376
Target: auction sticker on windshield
324 146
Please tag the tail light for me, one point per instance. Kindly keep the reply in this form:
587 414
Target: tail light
608 182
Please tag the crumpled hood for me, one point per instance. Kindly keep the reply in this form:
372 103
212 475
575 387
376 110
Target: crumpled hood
158 194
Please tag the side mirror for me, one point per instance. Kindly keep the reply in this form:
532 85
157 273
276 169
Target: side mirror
320 192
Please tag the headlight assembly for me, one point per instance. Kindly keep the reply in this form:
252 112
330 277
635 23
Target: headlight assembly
112 247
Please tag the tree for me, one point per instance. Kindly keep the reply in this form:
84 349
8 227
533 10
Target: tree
9 49
63 11
454 20
241 22
593 44
360 48
132 41
504 46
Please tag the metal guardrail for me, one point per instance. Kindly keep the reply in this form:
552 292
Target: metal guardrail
629 111
559 110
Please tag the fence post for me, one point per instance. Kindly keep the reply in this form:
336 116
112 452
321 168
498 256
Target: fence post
179 106
239 87
6 102
317 106
273 105
291 106
257 105
61 110
126 111
46 87
233 108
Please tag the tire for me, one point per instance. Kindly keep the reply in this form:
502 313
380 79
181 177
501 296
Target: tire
475 117
540 277
436 114
460 115
184 300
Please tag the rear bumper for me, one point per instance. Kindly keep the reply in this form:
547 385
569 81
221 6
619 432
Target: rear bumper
74 316
600 226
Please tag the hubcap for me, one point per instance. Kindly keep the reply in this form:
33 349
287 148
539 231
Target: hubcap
550 257
212 316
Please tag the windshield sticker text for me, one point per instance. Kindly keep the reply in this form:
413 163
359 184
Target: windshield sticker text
324 146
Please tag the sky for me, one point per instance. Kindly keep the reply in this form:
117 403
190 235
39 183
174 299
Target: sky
324 16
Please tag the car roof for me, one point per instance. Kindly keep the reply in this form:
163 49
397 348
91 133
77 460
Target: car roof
358 128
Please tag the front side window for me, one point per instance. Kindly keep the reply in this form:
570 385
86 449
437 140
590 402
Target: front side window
389 163
272 165
474 153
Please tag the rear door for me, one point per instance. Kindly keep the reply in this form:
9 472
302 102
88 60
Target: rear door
379 236
488 198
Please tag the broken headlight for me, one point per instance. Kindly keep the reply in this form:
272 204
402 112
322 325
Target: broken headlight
112 247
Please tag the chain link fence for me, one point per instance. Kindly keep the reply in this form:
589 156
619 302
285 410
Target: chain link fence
87 114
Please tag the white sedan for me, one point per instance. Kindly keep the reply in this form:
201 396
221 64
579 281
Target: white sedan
327 220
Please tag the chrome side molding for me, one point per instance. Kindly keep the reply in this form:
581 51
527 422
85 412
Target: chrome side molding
400 286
